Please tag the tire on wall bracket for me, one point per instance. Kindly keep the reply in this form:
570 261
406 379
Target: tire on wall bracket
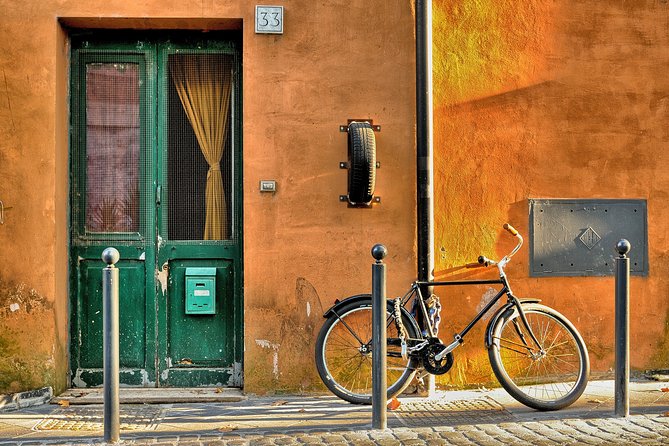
362 163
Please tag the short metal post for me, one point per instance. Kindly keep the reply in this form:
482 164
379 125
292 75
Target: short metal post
379 347
110 313
622 324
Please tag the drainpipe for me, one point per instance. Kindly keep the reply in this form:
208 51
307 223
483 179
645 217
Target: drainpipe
424 150
424 153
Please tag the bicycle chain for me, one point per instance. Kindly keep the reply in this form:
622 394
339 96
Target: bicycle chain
401 328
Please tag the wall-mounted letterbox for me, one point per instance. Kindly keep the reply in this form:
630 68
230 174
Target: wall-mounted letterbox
200 290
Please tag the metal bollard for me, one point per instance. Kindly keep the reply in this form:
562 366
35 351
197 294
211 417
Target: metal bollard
379 339
110 310
622 323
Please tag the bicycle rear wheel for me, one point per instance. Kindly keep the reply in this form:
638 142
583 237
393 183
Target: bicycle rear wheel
549 378
344 353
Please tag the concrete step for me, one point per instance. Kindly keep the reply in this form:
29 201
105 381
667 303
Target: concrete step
141 395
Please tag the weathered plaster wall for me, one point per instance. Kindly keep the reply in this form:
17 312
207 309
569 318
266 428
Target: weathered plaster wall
533 99
33 188
551 99
303 248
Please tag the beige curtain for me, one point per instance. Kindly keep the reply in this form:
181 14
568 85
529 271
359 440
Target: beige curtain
204 85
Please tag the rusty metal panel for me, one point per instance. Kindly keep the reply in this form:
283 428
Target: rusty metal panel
578 237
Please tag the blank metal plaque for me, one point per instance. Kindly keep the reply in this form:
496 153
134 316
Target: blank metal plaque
579 237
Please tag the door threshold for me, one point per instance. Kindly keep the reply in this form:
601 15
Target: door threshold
153 395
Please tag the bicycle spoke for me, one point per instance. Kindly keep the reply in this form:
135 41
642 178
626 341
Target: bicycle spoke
524 345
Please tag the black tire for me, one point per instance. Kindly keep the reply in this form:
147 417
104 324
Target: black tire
550 380
362 163
345 369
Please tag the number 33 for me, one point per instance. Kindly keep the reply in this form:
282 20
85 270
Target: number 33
273 20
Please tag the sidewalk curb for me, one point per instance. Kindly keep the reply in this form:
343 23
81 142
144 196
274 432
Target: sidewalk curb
21 400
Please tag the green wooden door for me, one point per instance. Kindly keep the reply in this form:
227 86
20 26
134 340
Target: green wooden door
155 150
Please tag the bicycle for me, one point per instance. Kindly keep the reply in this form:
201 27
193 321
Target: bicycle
536 354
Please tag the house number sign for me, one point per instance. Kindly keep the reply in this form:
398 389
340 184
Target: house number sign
269 19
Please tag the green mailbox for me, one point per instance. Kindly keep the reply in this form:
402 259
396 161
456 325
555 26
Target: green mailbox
200 290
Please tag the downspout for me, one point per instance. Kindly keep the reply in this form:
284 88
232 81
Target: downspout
424 149
424 155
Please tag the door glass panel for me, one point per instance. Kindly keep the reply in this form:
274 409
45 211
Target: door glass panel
112 147
199 146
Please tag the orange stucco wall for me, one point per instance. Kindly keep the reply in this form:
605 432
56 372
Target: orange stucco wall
558 99
303 248
533 99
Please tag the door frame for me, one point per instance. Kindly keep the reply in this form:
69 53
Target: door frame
146 45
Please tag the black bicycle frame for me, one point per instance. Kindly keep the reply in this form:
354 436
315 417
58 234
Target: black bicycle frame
416 287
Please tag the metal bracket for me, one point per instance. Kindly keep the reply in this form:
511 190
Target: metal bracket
344 128
345 165
344 199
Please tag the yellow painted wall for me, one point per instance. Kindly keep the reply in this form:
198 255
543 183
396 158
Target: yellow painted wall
551 99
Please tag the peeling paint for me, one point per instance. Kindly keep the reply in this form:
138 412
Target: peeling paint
146 379
77 381
275 355
19 296
308 309
166 373
26 352
161 277
237 376
142 256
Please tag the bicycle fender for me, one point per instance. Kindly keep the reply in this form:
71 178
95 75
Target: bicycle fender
340 303
335 309
499 313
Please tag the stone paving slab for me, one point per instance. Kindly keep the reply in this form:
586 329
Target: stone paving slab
135 395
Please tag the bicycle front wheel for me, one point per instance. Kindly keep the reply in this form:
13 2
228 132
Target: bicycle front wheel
548 377
344 353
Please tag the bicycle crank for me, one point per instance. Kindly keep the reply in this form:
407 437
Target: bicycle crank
433 365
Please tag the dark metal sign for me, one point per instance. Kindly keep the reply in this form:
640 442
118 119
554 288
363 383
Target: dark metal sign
578 237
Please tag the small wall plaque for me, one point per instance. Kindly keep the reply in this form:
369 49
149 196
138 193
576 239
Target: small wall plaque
578 237
269 19
267 185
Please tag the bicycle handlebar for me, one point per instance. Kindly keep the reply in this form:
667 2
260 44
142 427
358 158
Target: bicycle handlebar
485 262
510 229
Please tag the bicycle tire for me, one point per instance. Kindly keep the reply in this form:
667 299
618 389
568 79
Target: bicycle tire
346 370
552 380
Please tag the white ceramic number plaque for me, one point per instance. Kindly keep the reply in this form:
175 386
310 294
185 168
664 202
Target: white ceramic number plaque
269 19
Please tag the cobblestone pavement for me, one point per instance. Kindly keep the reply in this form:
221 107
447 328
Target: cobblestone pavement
636 429
458 418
